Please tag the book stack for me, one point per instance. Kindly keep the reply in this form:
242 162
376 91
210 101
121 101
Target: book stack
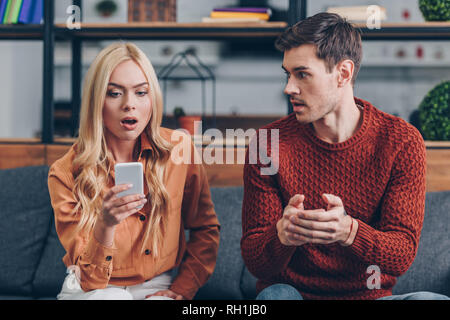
21 11
152 10
239 14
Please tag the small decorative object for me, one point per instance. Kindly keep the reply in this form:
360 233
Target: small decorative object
178 112
105 11
434 113
152 10
196 71
106 8
186 122
435 10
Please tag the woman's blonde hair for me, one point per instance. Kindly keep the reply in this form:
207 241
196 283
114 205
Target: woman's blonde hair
92 160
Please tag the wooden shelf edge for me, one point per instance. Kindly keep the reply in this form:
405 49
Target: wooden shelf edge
408 25
177 25
437 144
206 140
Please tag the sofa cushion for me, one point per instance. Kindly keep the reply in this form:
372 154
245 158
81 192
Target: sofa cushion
430 270
225 281
51 271
25 214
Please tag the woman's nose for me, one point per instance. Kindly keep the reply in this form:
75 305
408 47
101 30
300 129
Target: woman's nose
130 103
128 107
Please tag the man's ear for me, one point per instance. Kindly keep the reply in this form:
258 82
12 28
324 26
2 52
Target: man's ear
345 70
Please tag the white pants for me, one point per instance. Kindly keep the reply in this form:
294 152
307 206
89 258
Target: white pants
71 290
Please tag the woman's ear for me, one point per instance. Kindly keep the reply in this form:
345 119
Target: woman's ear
345 72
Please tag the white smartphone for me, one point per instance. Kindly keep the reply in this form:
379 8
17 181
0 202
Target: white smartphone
130 172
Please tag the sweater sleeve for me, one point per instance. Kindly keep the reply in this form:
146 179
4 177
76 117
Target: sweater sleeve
392 242
92 258
263 253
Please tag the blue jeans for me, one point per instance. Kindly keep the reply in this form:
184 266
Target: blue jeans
286 292
279 291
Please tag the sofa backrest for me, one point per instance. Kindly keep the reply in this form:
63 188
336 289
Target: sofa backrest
25 213
225 282
430 270
31 253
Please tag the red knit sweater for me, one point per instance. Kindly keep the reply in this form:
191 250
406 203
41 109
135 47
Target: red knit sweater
379 173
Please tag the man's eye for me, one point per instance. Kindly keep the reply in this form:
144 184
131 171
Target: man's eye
302 75
142 93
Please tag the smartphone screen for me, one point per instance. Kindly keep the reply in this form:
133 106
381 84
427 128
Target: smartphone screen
130 172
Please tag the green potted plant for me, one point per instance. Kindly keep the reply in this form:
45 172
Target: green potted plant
434 113
106 8
435 10
186 122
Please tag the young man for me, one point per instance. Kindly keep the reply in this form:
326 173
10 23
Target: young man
341 219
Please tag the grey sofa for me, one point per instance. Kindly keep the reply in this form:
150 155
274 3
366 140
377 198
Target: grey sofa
30 252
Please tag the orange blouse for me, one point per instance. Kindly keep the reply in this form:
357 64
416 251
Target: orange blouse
123 264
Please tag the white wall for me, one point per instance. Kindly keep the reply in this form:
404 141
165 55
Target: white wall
6 86
20 88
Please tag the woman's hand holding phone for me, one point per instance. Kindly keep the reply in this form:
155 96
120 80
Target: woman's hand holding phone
115 209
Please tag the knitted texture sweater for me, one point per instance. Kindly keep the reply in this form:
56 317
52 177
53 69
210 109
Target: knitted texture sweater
379 173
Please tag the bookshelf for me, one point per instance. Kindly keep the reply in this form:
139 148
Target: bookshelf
214 31
21 32
407 31
49 32
172 31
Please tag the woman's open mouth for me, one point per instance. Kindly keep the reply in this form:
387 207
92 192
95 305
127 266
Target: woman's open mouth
129 123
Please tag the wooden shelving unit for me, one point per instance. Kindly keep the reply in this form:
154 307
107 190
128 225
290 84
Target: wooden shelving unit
21 32
49 32
209 31
407 31
172 31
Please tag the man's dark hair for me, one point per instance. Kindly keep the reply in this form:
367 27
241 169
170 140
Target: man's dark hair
335 39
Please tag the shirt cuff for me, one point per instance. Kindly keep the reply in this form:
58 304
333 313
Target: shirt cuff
186 287
98 254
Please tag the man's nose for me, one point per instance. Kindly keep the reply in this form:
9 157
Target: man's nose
291 88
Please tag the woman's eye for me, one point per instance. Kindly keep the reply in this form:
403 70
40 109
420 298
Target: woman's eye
113 94
142 93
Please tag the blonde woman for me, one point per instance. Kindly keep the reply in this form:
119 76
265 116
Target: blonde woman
113 249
